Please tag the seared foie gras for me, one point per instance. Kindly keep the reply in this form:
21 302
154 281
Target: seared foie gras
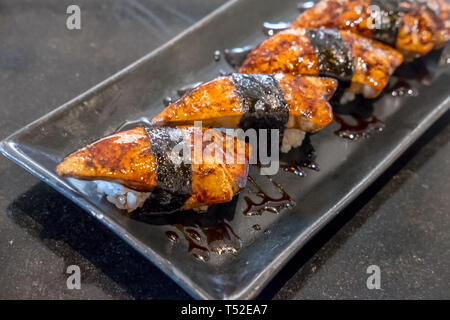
292 104
277 101
144 166
348 57
413 27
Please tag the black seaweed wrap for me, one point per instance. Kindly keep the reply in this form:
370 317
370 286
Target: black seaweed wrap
334 58
173 180
263 100
390 21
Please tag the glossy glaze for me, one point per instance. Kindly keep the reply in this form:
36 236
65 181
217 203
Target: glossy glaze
127 158
415 27
291 51
266 202
218 104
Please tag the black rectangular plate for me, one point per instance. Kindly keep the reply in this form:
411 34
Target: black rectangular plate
346 167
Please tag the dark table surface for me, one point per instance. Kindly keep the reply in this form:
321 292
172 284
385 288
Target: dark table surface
401 223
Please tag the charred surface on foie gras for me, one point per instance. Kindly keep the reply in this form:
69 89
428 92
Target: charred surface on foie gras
292 51
217 239
303 6
354 16
215 103
205 235
128 158
414 27
215 182
358 127
173 236
222 102
125 157
217 55
256 227
425 25
188 88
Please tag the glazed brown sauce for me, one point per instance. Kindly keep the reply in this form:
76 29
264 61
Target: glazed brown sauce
359 128
267 202
202 241
173 236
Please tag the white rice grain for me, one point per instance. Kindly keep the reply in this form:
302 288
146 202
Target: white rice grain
122 197
292 138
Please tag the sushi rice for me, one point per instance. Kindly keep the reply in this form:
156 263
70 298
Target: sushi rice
127 199
122 197
292 138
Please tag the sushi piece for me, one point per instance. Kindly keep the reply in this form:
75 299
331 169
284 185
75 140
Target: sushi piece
363 64
143 167
413 27
293 104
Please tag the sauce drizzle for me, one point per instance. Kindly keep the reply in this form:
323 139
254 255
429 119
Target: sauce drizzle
267 203
173 236
202 241
362 127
